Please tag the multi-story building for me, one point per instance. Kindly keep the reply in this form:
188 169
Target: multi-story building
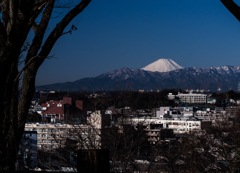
56 111
53 136
178 125
189 98
178 121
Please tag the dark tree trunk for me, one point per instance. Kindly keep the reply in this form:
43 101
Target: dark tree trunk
18 17
8 128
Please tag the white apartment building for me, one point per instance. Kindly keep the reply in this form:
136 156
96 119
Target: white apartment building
179 119
178 125
52 136
189 98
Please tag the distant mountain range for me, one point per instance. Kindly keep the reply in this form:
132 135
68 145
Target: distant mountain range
176 77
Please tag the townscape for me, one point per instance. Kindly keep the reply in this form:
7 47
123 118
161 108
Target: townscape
188 131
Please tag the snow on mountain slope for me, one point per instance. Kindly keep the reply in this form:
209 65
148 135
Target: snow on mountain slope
125 78
162 65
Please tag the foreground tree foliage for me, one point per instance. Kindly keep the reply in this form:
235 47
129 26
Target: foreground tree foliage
18 18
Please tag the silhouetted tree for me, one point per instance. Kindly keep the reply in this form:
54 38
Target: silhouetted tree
18 18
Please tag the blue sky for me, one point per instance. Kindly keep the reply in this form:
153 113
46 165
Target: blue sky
113 34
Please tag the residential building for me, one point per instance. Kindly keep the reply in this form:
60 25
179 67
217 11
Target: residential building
178 125
58 111
53 136
189 97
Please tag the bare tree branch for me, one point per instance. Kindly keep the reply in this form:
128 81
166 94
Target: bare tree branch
40 30
26 65
232 7
57 32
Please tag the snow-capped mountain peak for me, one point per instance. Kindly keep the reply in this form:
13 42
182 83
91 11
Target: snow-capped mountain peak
162 65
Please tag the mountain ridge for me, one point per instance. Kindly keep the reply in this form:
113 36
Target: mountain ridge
129 78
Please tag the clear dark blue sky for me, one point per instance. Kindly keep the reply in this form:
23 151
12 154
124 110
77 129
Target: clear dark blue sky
113 34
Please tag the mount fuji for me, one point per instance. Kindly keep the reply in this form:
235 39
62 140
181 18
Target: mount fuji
162 65
153 76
